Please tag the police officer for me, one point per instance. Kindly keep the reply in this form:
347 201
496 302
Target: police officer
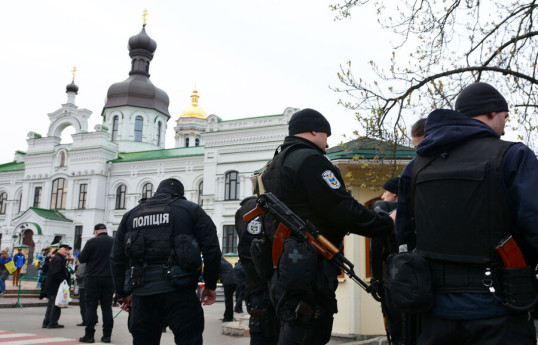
305 180
253 237
156 262
465 192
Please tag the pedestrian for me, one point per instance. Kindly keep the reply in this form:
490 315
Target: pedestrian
98 285
79 277
40 262
4 273
302 177
465 194
229 284
158 247
19 260
56 274
417 131
240 277
264 326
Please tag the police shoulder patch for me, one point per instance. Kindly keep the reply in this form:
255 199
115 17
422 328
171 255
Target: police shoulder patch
254 227
331 179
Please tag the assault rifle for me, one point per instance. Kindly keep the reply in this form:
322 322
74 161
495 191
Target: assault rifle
292 223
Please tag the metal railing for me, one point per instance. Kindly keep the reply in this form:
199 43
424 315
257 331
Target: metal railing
28 291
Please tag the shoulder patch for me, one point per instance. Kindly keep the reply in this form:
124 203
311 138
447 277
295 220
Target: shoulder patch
254 227
331 179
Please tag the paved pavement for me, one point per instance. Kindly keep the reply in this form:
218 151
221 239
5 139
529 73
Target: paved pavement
22 326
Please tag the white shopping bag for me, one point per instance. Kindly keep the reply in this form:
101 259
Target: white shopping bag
62 297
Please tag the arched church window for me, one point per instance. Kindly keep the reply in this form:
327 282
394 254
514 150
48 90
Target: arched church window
147 190
186 142
59 194
159 129
231 186
120 197
200 193
139 124
62 158
3 202
197 142
115 125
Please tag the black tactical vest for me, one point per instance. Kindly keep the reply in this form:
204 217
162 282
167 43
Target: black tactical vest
150 238
461 211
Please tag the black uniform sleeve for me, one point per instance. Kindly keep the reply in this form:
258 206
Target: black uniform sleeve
118 260
84 255
206 235
328 196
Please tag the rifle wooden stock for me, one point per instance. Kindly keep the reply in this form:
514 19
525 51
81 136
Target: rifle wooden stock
510 253
282 232
258 211
319 246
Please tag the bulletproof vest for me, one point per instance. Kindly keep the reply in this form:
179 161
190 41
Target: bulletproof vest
461 210
271 175
150 237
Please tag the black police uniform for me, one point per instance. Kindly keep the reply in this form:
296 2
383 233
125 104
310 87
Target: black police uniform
98 285
311 186
169 233
253 247
229 283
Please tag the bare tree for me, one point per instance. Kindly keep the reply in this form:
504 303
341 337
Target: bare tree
443 46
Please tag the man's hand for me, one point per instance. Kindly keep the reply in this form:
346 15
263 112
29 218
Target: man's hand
126 302
208 296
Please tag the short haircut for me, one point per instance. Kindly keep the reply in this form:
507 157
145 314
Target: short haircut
418 128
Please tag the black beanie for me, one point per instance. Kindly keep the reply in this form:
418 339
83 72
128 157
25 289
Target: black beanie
392 185
480 98
172 186
308 120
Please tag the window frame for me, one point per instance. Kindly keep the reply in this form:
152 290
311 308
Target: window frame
138 128
58 195
231 179
121 192
82 196
37 196
146 191
115 127
3 202
229 233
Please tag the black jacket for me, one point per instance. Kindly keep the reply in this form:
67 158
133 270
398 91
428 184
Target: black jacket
96 256
226 273
56 274
187 215
312 187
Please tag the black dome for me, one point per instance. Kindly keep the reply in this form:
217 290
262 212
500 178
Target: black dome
72 87
142 41
137 91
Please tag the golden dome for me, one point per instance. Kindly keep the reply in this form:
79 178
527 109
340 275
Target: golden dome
194 110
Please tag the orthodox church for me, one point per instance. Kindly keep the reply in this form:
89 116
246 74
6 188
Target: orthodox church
55 192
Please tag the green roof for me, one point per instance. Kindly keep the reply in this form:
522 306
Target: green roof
366 148
13 166
159 154
50 214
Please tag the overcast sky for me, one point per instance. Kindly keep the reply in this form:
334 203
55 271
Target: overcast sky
246 57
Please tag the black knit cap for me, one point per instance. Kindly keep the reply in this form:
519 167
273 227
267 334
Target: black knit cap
172 186
308 120
480 98
392 185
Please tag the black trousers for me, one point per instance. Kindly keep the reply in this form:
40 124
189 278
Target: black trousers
229 302
82 303
99 290
313 332
52 314
239 297
514 329
264 329
180 310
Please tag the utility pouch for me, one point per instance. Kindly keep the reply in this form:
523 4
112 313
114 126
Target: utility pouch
137 276
188 252
297 266
260 251
519 288
134 244
179 278
410 283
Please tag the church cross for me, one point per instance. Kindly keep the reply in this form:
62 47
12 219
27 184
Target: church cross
74 71
144 15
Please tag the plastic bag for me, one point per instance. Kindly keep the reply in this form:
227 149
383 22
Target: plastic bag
62 297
